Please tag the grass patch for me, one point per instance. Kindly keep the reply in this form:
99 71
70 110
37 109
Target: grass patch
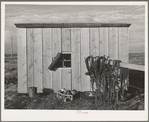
11 71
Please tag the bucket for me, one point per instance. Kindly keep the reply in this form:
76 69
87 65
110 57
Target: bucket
32 91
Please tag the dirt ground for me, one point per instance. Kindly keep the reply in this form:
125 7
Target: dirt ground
13 100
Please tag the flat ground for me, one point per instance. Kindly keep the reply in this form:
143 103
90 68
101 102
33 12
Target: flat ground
13 100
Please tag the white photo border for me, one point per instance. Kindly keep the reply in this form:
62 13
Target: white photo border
71 115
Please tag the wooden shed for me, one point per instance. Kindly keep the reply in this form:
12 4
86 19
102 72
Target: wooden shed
39 43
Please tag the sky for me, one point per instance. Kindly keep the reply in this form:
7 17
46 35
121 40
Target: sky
133 14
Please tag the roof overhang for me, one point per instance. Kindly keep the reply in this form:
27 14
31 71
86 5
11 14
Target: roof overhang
70 25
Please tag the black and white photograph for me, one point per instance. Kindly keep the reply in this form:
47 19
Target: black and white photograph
74 61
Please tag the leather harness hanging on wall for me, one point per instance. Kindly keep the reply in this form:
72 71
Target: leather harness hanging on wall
110 80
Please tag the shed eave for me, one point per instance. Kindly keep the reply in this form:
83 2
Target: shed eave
70 25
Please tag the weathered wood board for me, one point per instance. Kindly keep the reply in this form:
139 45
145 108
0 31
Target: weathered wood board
30 58
70 25
113 43
22 61
84 54
66 78
56 47
37 35
123 45
103 43
75 57
94 42
66 43
47 58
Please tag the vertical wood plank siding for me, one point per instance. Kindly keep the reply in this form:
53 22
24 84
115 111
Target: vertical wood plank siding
123 45
75 57
113 43
103 43
47 58
94 41
37 46
22 68
66 47
56 43
66 78
30 58
37 34
66 44
84 54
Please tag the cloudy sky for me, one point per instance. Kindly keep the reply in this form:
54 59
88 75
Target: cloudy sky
134 14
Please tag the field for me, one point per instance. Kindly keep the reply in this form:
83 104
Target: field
137 58
13 100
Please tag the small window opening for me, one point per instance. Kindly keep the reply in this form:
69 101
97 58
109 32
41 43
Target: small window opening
64 61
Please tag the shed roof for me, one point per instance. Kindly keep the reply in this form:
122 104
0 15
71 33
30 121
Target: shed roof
70 25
